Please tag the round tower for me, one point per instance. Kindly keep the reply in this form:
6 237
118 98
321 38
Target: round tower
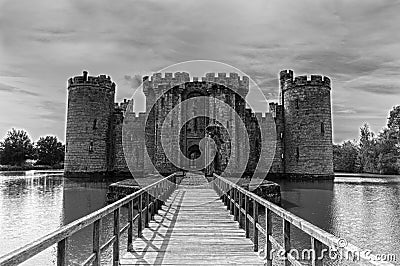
89 126
308 126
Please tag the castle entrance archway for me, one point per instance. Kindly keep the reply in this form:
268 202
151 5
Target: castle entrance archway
194 153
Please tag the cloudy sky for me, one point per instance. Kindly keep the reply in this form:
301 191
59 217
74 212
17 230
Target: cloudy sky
44 42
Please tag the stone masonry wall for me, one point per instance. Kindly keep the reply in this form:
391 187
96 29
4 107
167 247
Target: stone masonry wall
89 125
308 125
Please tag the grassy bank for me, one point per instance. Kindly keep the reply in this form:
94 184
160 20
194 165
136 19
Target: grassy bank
29 167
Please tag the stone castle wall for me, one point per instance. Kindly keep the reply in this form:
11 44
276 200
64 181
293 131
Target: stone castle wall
89 125
308 124
299 143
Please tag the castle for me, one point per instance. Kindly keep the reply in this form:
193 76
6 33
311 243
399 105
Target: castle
302 133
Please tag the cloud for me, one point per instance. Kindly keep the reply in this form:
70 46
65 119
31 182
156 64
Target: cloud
354 43
15 90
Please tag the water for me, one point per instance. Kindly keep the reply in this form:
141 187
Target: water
33 204
365 212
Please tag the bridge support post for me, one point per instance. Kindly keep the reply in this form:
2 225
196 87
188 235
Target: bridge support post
116 235
240 209
225 191
255 229
231 201
235 208
140 221
286 240
317 247
146 213
246 212
130 228
62 252
96 242
268 233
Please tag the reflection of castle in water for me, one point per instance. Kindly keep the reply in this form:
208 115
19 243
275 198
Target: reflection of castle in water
302 131
81 197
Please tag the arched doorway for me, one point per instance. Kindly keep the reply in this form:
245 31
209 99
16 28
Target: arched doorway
193 153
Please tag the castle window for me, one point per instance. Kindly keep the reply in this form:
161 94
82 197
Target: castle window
172 122
322 128
162 103
95 124
91 147
227 124
297 103
297 154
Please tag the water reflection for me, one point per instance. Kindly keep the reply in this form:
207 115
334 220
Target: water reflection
32 204
365 213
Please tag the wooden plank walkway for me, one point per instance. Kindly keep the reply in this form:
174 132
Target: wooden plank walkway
193 228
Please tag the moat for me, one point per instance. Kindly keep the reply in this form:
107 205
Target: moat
32 205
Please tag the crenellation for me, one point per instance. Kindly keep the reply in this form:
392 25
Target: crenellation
313 80
100 81
221 75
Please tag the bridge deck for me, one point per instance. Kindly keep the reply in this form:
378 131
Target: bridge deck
192 228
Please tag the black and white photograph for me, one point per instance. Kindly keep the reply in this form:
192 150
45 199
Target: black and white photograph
188 132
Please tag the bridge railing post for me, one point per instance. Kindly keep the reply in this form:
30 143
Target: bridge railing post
268 233
235 208
62 247
316 245
146 213
96 242
246 212
152 202
240 209
231 202
140 219
286 240
130 228
255 229
116 235
228 195
156 199
225 199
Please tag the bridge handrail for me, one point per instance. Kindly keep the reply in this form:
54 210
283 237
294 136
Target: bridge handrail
236 196
158 190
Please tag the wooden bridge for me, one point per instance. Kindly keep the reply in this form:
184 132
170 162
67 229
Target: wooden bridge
194 222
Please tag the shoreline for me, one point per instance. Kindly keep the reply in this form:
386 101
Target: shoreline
365 175
28 168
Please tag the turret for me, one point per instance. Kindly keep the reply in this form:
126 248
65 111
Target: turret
307 125
89 125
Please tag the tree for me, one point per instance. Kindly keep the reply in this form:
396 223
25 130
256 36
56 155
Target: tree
388 152
368 154
394 119
16 148
49 151
345 157
389 144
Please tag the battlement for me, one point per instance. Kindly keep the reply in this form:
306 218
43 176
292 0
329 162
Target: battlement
286 75
242 81
169 77
162 81
85 80
313 80
122 106
164 78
